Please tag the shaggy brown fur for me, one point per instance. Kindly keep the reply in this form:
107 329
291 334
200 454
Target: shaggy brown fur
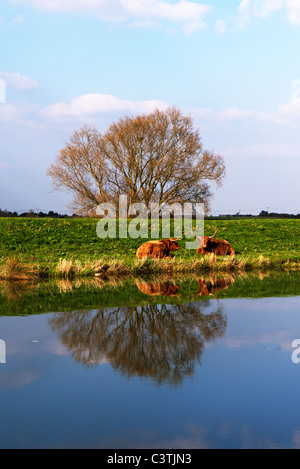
157 249
220 247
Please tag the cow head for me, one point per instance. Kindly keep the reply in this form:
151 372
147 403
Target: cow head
204 240
172 244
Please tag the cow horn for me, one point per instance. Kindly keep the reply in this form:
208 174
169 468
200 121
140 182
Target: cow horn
213 234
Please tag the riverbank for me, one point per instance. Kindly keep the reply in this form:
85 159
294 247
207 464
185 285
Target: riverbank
68 248
15 268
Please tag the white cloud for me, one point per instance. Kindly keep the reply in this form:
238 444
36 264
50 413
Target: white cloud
189 14
268 149
97 105
288 114
235 114
294 12
93 104
263 8
17 81
20 113
248 9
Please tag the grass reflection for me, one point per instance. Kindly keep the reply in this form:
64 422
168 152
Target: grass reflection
30 297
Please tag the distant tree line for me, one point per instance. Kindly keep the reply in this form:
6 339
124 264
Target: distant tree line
263 214
51 214
33 214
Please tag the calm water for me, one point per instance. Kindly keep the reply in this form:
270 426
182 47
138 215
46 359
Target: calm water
159 371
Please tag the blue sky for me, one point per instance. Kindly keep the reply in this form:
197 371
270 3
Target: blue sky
233 66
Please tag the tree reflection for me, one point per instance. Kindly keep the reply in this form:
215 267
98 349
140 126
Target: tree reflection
162 342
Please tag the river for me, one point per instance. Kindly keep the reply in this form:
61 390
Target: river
170 363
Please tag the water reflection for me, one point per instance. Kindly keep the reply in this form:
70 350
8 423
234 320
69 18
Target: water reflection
16 290
209 286
162 342
156 335
86 293
158 288
149 328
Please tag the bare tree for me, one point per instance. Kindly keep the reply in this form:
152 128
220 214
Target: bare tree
156 157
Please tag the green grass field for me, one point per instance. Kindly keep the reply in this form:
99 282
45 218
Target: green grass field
45 242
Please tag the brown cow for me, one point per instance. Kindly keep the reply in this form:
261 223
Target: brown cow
220 247
157 249
158 288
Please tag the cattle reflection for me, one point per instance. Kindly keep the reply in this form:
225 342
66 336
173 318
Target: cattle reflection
213 284
162 342
158 288
207 286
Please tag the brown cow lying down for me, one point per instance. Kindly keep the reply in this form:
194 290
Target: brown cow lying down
157 249
158 288
220 247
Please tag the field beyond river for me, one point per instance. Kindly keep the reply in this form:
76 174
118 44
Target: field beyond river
70 247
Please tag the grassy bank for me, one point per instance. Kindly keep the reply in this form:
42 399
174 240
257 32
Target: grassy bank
70 247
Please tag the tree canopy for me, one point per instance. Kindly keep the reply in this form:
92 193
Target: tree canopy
157 157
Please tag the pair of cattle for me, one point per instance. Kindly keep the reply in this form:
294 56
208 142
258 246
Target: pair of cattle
206 287
163 247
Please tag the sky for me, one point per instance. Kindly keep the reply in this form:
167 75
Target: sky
233 66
